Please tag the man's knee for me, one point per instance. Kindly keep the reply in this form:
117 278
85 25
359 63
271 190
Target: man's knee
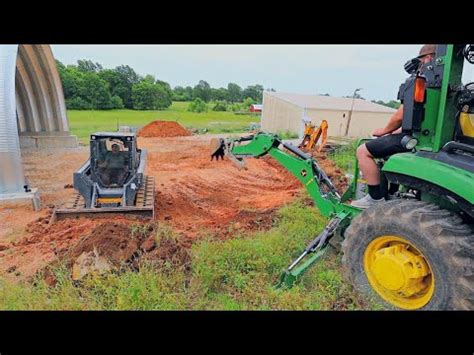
363 153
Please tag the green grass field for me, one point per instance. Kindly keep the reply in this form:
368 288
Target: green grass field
83 123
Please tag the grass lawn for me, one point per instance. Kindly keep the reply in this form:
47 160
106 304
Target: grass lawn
83 123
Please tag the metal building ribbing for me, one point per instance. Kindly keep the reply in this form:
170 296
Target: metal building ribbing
11 171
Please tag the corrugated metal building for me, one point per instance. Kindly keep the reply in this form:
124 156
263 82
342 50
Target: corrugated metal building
287 112
32 109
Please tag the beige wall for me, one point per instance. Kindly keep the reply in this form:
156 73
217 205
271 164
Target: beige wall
279 115
362 123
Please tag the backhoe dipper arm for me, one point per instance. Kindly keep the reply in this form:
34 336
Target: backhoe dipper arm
300 164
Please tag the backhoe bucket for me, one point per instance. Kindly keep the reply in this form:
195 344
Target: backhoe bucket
218 148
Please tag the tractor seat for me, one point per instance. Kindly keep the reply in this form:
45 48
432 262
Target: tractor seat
465 128
466 123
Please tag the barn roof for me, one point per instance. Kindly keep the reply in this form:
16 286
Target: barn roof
330 102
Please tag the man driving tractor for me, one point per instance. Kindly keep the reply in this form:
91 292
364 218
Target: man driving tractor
388 143
114 167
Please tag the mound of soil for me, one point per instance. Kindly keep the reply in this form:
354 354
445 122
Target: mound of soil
112 239
163 129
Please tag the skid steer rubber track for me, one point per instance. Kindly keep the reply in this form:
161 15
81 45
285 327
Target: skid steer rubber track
144 206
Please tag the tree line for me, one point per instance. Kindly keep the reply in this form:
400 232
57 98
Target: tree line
87 85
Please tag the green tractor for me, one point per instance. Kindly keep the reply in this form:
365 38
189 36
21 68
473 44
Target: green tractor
416 250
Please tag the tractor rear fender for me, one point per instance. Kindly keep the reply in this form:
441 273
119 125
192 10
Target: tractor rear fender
447 181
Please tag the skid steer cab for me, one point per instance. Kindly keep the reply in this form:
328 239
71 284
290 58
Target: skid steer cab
114 172
113 179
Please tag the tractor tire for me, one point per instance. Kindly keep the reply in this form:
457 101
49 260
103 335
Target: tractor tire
445 243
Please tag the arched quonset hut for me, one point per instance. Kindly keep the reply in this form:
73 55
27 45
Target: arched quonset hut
32 109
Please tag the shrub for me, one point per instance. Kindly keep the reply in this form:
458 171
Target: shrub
235 107
220 106
198 105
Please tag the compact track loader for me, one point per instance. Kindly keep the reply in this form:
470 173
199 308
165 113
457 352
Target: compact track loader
112 181
416 250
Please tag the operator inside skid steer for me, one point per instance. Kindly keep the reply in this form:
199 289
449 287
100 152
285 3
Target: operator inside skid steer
390 141
113 165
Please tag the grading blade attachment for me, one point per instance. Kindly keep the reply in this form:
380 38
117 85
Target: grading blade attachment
144 207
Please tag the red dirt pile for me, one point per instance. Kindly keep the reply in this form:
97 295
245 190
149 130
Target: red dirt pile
163 129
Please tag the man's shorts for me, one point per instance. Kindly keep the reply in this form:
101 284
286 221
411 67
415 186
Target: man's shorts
387 145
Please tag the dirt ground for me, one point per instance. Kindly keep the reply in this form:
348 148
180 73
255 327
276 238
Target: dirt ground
195 197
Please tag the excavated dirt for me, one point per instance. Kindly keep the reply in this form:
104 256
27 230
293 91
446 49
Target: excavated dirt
163 129
194 196
335 174
110 239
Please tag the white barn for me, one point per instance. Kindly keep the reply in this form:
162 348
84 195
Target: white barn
286 112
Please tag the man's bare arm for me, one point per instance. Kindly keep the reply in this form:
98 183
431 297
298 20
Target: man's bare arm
393 124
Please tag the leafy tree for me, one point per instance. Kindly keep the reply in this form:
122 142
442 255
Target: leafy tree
356 96
179 94
183 94
189 93
234 92
70 80
117 102
222 94
126 78
149 78
76 103
150 96
198 105
95 91
392 103
254 91
87 66
214 94
202 91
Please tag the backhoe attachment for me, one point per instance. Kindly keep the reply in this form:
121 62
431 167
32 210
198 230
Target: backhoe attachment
306 169
312 134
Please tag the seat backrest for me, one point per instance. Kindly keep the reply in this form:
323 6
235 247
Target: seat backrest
466 124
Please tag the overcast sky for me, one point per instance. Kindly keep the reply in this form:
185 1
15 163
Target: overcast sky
306 69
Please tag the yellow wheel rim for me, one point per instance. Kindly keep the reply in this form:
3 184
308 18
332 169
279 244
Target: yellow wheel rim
399 272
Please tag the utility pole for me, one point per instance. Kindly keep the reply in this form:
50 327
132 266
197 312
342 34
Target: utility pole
350 112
